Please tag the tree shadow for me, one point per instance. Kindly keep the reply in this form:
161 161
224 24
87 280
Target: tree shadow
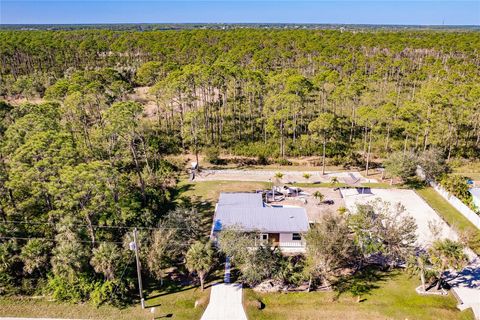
361 283
415 183
177 192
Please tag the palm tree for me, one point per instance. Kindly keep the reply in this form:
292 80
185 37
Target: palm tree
334 181
34 256
418 265
319 196
105 259
447 255
199 259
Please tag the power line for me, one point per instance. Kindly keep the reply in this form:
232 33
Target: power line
94 226
55 240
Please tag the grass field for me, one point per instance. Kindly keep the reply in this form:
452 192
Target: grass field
177 305
394 298
210 190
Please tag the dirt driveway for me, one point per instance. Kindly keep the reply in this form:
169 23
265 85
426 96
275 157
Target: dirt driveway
288 176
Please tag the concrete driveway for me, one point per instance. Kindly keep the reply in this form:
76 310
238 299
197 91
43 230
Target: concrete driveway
225 303
414 205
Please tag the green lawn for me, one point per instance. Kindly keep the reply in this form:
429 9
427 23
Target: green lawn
395 298
178 305
451 215
210 190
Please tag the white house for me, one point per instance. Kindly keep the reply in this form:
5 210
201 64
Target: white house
280 227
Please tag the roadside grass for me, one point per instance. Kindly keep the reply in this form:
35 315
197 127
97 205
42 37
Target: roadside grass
393 298
177 305
468 169
451 215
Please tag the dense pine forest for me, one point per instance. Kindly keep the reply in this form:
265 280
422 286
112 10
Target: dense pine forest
90 119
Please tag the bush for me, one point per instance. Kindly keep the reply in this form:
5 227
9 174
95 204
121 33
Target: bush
75 290
262 160
256 149
110 291
458 186
283 162
213 155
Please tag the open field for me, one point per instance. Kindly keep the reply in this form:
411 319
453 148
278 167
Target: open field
393 298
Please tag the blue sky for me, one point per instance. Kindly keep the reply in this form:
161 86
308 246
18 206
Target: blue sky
423 12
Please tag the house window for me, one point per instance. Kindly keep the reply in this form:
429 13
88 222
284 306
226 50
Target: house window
296 236
264 236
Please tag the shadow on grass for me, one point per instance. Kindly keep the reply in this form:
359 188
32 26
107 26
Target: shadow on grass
415 183
361 283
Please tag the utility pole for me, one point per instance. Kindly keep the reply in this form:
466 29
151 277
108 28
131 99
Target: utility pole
139 272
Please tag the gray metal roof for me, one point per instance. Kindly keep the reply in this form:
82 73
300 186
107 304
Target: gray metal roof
241 199
257 218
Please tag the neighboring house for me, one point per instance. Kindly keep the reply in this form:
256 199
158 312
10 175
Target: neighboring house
281 227
476 197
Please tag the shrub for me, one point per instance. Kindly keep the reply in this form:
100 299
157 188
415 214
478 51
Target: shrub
108 291
213 155
63 289
458 186
262 160
283 162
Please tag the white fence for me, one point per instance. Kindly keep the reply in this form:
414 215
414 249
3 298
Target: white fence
454 201
458 204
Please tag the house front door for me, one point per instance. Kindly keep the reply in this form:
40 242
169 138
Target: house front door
274 239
